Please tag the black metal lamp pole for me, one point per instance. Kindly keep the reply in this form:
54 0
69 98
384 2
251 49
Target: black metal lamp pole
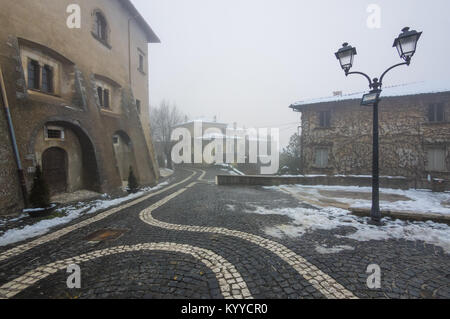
375 212
406 44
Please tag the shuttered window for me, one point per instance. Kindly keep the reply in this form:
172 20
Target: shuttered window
436 112
322 157
325 119
436 159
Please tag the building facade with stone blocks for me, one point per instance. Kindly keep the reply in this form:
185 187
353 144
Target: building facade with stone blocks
78 97
414 122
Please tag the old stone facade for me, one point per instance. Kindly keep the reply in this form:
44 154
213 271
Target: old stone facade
78 97
414 136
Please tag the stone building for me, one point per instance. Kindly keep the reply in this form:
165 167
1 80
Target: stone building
200 136
414 133
241 147
78 97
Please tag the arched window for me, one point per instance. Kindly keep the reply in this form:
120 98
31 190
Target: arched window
101 27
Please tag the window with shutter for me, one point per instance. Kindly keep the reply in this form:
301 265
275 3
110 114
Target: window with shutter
322 157
436 159
436 113
325 119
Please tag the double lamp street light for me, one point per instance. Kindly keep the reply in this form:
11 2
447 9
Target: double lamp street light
406 45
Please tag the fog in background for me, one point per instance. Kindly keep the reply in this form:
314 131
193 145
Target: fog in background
246 61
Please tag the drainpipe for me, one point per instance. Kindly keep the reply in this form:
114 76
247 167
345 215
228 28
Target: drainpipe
13 140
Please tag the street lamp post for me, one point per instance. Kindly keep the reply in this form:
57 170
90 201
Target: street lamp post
406 44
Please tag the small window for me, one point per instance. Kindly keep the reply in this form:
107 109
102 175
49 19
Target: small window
436 159
54 133
106 99
322 157
436 113
138 106
116 140
141 63
101 27
100 95
325 119
47 79
33 74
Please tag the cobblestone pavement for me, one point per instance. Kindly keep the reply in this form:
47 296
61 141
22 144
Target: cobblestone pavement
194 239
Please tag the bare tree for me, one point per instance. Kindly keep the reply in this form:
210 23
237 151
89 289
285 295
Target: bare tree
162 121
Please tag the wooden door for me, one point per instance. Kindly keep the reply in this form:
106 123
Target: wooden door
54 169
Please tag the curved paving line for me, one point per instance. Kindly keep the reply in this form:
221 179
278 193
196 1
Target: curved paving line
230 280
62 232
329 287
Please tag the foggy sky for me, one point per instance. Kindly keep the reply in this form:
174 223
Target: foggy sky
246 61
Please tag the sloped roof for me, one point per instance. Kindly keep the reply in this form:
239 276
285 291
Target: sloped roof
416 88
201 120
151 35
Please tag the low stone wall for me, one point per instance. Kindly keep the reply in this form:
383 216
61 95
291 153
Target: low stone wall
395 183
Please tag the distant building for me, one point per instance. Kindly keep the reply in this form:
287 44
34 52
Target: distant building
204 138
233 138
414 133
79 98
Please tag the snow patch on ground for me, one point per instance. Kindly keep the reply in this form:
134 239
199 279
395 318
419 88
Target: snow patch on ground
306 220
333 250
421 201
165 172
230 207
231 169
42 227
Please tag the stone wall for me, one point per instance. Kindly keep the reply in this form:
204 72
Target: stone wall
405 135
258 180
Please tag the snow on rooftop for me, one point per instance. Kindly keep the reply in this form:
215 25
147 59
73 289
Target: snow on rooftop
201 120
415 88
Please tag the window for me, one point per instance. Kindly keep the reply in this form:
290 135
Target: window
322 157
138 106
100 95
106 98
115 140
47 79
33 74
100 30
107 93
436 112
54 133
324 119
141 63
436 159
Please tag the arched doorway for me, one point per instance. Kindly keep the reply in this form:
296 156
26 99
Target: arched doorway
82 164
54 169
